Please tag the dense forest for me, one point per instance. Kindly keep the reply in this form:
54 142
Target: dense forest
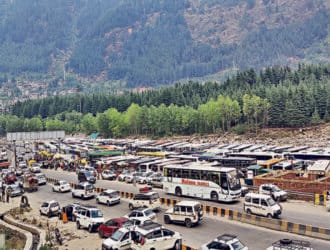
274 97
155 42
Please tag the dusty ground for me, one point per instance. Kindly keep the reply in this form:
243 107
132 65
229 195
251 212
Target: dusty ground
316 136
72 238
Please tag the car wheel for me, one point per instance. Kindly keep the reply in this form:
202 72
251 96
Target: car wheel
167 219
40 212
214 196
97 201
178 191
130 206
269 216
49 214
177 245
82 197
90 228
248 211
59 215
53 189
108 203
73 196
78 225
188 223
101 235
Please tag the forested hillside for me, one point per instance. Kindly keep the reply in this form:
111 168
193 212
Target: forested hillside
71 43
276 97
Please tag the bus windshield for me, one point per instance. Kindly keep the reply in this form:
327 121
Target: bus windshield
233 180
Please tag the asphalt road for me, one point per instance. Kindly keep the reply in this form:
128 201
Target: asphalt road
293 211
254 237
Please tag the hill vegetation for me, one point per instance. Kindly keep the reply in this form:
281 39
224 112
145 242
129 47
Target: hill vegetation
68 43
276 97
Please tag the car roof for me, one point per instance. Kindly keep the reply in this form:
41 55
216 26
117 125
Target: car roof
188 203
256 195
120 219
225 238
110 191
144 229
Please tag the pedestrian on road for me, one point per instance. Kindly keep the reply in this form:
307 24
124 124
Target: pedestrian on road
3 193
7 195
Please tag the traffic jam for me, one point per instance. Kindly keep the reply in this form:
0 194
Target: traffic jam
193 173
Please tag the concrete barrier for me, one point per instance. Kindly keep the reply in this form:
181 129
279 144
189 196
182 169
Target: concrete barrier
184 247
320 199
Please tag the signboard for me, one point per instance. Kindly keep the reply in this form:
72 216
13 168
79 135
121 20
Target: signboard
42 135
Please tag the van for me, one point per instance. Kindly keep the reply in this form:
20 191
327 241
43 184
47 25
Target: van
148 199
84 190
85 175
261 204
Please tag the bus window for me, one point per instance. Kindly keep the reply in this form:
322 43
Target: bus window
195 174
177 173
224 182
215 177
204 175
185 173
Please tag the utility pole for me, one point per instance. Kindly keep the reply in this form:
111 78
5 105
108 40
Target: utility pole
14 142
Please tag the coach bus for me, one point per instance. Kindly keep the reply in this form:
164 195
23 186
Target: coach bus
202 181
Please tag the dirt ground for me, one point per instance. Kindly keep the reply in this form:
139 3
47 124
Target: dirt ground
315 136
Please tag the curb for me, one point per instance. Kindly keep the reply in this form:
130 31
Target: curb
27 234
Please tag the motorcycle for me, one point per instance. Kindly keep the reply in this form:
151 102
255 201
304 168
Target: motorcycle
58 236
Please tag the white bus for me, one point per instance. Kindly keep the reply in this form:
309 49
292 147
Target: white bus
202 181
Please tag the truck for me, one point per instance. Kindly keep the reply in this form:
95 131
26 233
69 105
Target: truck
30 183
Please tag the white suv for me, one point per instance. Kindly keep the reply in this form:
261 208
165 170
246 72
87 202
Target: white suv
108 197
274 191
89 217
49 208
150 236
188 213
225 241
84 190
148 199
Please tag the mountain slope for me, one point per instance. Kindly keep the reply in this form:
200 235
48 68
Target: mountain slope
156 42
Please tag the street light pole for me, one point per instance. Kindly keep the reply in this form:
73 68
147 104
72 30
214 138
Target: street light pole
14 141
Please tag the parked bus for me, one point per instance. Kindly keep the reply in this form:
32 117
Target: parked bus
202 181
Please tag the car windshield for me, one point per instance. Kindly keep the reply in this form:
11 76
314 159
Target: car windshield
234 182
117 235
89 187
197 207
270 201
96 214
127 223
63 182
88 174
276 189
114 195
238 245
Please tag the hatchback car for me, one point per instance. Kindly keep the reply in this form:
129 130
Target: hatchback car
142 212
109 227
49 208
61 186
108 197
108 175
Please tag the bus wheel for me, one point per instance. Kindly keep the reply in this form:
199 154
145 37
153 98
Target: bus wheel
178 191
214 196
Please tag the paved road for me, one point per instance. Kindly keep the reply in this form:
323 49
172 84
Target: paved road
254 237
293 211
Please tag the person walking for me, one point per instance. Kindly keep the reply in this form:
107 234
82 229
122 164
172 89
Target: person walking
7 194
3 192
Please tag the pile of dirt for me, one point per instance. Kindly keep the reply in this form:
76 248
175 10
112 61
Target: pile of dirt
315 136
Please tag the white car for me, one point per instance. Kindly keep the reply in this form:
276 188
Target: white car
149 236
61 186
49 208
143 178
83 190
108 175
89 217
35 168
288 244
225 241
41 178
140 213
108 197
274 191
